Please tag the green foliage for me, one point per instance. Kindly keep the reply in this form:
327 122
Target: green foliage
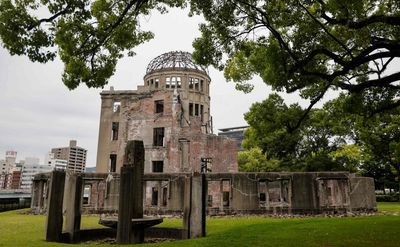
272 129
89 36
307 46
349 155
308 147
254 160
388 198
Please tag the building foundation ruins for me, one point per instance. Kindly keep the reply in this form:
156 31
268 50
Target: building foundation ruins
236 193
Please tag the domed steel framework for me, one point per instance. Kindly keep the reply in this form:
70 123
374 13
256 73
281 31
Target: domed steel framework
174 60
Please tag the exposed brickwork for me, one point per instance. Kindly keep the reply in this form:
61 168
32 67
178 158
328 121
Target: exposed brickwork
183 119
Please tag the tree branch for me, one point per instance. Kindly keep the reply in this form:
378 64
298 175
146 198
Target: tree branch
386 108
326 30
382 82
390 20
50 19
312 103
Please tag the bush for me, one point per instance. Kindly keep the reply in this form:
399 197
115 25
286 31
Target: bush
388 198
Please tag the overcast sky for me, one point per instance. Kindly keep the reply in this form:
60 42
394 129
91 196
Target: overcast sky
37 112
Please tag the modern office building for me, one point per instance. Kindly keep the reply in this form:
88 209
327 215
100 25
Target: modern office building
58 164
74 155
236 133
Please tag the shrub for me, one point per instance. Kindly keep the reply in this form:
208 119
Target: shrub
388 198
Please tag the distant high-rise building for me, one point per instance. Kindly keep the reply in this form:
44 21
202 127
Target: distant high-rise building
57 164
31 161
9 162
3 167
29 171
16 178
74 155
11 157
236 133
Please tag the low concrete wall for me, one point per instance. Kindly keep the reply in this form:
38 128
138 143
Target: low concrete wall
362 194
7 204
237 193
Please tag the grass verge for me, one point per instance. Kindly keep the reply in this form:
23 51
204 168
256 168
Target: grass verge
383 229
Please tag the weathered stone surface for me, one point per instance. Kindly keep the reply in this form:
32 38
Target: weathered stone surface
194 217
54 219
131 195
362 194
74 193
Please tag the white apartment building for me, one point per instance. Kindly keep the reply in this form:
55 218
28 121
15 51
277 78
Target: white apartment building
57 164
30 169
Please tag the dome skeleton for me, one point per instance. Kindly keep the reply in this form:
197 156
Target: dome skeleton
174 60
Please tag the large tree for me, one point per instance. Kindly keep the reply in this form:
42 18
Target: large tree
308 46
329 139
313 146
88 36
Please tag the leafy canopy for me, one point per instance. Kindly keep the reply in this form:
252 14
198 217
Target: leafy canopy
307 46
294 45
89 36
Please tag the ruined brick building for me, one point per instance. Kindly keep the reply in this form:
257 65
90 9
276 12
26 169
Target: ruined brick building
170 112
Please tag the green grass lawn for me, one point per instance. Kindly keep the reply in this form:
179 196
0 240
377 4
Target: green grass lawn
389 208
382 229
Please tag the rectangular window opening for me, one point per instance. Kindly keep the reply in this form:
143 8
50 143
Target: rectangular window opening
274 192
178 82
154 196
190 109
263 198
202 112
158 166
86 194
191 83
156 83
225 198
159 106
116 106
201 85
164 196
210 201
158 137
196 84
285 190
167 82
173 82
196 109
114 131
113 163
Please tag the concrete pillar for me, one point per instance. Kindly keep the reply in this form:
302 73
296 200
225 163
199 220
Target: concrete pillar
35 195
73 191
194 217
131 194
41 196
54 219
